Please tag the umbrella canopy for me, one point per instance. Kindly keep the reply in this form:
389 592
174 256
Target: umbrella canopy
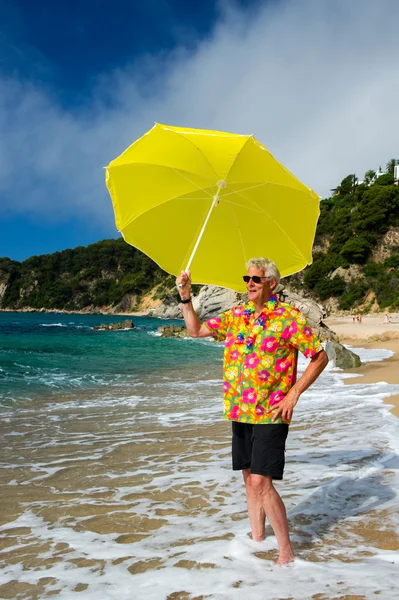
210 201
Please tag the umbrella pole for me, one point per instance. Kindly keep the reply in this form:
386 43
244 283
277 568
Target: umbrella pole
214 203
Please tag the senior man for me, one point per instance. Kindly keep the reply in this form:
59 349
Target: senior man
262 339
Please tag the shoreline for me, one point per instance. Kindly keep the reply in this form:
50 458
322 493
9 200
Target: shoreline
374 372
372 334
61 311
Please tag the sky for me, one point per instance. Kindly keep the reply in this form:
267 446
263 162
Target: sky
315 81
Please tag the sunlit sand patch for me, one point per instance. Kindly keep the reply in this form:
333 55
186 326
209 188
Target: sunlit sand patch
144 565
192 564
122 523
19 589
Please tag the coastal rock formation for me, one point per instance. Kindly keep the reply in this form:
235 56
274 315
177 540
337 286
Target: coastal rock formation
386 246
213 300
341 356
172 331
126 324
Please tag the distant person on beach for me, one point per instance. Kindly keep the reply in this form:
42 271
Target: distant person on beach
261 340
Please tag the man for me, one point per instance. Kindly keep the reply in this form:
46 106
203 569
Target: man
262 339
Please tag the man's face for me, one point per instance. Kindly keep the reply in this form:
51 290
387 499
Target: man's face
259 292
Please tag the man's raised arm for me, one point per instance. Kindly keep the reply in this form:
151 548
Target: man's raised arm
194 326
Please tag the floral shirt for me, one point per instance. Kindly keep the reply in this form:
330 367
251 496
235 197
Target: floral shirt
260 357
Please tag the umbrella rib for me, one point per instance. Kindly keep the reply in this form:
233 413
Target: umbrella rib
265 183
192 182
237 155
278 225
162 167
258 210
198 150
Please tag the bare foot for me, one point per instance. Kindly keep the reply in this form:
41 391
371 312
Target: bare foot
258 538
284 559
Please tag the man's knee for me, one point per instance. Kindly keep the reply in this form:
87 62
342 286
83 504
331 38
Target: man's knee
260 484
246 473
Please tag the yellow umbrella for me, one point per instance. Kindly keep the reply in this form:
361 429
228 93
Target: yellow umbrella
209 201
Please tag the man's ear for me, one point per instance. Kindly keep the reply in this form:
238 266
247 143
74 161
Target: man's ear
274 284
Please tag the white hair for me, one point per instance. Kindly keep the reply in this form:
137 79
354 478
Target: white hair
267 266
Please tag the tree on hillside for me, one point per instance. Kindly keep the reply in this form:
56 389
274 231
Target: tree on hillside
390 166
386 179
369 176
348 184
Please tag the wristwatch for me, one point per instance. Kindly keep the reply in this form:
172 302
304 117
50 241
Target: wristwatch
186 301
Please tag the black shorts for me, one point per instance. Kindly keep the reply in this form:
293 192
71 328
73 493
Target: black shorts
260 448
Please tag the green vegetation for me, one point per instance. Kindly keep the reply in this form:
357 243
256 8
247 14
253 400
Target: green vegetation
351 225
99 275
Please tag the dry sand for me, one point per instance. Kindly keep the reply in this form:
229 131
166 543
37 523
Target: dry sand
372 333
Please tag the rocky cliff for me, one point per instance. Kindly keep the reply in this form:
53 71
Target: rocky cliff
213 300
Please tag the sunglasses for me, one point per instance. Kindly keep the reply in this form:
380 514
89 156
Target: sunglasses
255 278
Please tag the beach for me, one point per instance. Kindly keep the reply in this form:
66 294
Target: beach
372 334
116 474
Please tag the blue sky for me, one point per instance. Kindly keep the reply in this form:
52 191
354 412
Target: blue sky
315 81
63 48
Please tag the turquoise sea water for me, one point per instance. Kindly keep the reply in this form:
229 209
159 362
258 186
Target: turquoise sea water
44 355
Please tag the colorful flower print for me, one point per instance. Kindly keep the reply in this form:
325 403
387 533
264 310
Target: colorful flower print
290 331
232 373
249 396
226 386
308 353
260 357
229 340
276 397
268 361
263 375
252 360
282 364
234 412
215 323
269 344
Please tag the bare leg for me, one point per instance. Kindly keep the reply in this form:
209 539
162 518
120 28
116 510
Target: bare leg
263 499
256 512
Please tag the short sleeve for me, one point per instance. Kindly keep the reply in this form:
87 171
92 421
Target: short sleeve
218 326
303 337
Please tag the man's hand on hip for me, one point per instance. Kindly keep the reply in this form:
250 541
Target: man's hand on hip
285 407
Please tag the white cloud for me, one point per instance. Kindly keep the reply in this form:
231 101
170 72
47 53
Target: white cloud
315 81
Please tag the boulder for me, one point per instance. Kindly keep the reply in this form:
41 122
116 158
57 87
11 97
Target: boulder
213 300
173 331
126 324
341 356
